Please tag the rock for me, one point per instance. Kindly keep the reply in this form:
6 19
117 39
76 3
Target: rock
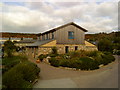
101 65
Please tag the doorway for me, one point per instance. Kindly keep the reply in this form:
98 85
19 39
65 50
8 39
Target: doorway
76 48
66 49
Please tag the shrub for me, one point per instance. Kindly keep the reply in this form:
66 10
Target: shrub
64 63
105 45
75 54
54 50
14 79
42 56
92 53
118 52
94 65
74 63
99 59
9 48
52 55
54 62
10 62
83 60
88 63
107 53
21 75
107 59
29 72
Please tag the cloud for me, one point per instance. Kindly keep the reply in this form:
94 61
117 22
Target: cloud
38 17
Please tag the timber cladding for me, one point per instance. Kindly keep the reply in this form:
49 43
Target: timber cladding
62 35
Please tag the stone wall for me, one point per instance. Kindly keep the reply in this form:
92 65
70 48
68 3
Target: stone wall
44 50
35 52
61 49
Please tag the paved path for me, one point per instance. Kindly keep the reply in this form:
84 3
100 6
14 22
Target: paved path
52 77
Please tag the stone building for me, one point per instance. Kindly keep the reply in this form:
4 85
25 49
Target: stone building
66 38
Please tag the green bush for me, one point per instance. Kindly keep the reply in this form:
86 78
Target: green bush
14 79
85 63
107 53
75 54
118 52
10 62
88 64
29 72
75 64
107 59
42 56
21 75
64 63
92 53
54 62
83 60
99 59
105 45
9 48
54 50
52 55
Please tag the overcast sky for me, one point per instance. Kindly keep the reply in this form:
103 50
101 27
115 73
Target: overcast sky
37 17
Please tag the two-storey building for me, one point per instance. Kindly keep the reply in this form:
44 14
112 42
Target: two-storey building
65 38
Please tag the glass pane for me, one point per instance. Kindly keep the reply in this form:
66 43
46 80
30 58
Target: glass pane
71 35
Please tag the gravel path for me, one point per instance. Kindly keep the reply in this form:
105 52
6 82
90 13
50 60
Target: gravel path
52 77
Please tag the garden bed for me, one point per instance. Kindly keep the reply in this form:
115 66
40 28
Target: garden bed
82 60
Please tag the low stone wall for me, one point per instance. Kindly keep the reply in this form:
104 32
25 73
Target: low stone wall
35 52
91 48
44 50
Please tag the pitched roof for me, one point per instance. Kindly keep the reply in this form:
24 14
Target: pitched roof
38 42
71 23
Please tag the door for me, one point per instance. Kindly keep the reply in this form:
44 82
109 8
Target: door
66 49
76 48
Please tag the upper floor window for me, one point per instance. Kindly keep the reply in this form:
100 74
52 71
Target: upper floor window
70 35
52 35
38 38
46 36
43 37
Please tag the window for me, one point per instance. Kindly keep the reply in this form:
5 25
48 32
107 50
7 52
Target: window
52 35
46 36
43 37
70 35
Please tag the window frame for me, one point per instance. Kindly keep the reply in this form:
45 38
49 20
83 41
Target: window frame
71 35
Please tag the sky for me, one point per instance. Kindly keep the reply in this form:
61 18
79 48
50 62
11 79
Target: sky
35 16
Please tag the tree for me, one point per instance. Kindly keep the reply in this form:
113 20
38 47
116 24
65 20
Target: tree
9 48
105 45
